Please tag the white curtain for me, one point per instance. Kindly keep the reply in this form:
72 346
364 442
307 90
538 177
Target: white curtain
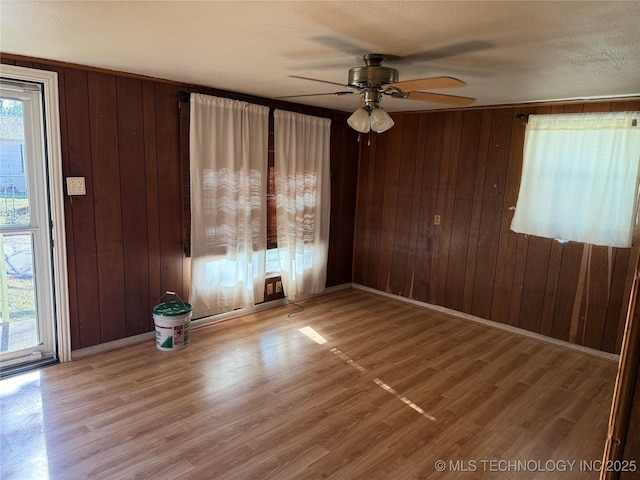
301 145
579 178
228 159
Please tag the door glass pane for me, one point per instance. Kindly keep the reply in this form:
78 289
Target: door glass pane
14 204
19 329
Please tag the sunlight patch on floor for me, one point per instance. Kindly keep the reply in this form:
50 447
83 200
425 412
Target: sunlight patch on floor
313 335
21 400
379 382
319 339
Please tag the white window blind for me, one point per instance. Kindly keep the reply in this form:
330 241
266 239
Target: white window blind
580 178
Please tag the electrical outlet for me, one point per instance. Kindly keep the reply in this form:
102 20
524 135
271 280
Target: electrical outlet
76 186
269 288
436 220
278 286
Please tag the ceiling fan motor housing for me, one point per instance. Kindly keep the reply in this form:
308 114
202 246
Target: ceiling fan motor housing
370 78
373 74
364 77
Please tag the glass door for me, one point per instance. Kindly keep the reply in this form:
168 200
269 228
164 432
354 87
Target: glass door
26 281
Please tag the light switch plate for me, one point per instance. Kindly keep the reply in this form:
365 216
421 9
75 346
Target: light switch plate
76 186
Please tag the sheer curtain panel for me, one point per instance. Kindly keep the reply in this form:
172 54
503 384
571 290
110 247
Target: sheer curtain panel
302 184
580 178
228 162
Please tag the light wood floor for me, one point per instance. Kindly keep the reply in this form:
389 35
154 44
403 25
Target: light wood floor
394 389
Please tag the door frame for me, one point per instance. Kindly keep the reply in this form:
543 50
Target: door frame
55 181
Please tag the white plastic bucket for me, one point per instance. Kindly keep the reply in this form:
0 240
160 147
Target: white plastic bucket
172 322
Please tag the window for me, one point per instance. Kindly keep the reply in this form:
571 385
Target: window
273 263
580 178
273 256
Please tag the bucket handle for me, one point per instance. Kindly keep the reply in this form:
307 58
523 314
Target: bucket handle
169 292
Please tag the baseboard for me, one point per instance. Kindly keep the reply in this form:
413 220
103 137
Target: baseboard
201 322
490 323
115 345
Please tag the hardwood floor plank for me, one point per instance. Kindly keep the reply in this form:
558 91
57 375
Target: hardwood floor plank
357 386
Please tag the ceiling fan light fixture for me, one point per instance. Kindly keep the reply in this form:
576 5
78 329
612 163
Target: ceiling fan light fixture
380 120
360 120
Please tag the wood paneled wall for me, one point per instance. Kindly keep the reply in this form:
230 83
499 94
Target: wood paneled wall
344 173
631 451
631 438
124 238
465 167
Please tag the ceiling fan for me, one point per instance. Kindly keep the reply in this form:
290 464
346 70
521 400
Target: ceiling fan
374 80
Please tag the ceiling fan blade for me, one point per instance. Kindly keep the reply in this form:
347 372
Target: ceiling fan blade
445 51
317 80
426 84
451 50
339 44
346 92
440 98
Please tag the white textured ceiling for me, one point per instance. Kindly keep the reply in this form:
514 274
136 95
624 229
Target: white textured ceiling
507 52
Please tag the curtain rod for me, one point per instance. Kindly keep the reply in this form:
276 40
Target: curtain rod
525 116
